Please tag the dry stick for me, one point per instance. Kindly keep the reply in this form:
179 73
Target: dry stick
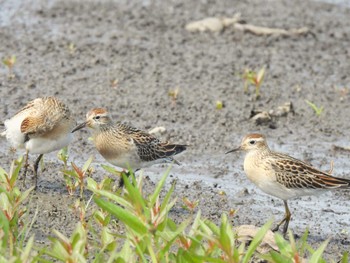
260 31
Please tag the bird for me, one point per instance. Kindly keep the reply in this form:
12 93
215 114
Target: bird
42 126
283 176
125 146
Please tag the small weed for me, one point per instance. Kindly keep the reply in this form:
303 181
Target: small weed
72 48
114 83
255 78
9 63
189 205
14 225
317 110
219 105
63 156
173 94
75 178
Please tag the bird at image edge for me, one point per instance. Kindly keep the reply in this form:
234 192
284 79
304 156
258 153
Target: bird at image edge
283 176
42 126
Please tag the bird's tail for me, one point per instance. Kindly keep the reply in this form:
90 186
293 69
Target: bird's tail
173 149
333 182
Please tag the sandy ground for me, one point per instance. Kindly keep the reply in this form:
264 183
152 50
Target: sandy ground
128 55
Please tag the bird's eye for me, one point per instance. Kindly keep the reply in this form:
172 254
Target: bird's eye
252 142
97 117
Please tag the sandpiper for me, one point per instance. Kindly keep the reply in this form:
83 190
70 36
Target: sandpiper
125 146
283 176
42 126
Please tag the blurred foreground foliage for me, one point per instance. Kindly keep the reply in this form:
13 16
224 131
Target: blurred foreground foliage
126 225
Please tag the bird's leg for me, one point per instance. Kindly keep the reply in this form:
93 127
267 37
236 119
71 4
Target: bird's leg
36 166
127 173
287 216
121 181
285 220
25 168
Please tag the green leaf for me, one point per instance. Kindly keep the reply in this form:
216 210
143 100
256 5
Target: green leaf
135 195
278 258
25 194
159 187
345 258
224 239
256 241
283 245
111 169
5 226
15 172
114 197
87 164
25 256
123 215
317 255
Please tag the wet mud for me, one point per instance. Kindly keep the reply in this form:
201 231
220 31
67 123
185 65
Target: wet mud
127 56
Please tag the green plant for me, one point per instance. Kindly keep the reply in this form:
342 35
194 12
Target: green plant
9 63
129 226
255 78
14 227
189 205
73 249
219 105
174 94
63 156
75 178
317 110
72 48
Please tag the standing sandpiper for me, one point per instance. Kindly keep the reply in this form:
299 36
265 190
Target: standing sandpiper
42 126
125 146
283 176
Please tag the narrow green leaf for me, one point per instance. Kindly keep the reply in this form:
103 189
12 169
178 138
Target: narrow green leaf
256 241
123 215
25 256
5 226
159 187
134 194
317 255
283 245
224 238
345 258
114 197
87 164
15 172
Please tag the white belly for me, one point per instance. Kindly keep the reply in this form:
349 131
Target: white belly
46 145
13 131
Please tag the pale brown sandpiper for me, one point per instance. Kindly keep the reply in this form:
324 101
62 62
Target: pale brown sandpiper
283 176
125 146
42 126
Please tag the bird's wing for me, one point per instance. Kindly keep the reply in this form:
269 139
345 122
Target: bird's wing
39 122
149 148
297 174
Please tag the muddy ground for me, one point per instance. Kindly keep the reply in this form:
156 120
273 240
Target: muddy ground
128 55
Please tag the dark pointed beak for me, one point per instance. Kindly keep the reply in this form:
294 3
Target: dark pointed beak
234 150
80 126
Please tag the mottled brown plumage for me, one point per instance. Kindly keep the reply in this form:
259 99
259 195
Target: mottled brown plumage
283 176
42 126
126 146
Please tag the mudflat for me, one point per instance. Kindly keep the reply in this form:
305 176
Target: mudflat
132 56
